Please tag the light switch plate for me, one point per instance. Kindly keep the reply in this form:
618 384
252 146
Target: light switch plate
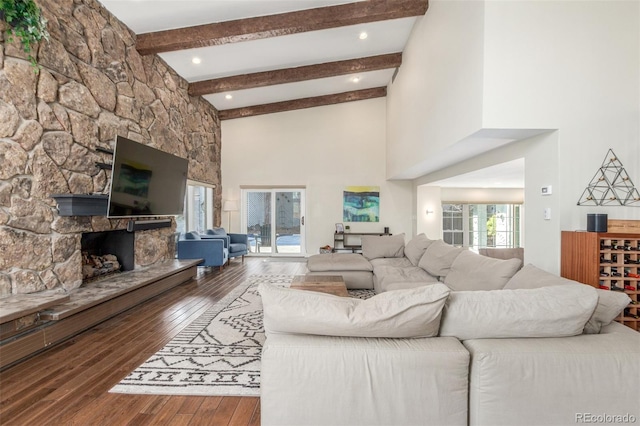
547 213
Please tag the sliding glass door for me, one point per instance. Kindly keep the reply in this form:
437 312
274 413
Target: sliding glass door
274 220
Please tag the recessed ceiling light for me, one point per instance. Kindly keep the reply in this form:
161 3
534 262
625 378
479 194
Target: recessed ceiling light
196 60
228 97
363 35
355 79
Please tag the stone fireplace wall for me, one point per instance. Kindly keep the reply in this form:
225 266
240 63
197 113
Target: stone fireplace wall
93 85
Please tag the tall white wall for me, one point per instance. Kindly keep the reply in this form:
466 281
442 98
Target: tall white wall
324 149
436 99
572 66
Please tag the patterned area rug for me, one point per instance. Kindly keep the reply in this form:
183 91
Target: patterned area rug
218 354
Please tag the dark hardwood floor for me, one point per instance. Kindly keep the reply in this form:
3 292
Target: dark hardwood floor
68 384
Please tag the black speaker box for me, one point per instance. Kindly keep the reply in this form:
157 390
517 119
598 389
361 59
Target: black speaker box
597 222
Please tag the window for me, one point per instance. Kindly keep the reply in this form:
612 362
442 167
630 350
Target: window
198 208
481 225
452 224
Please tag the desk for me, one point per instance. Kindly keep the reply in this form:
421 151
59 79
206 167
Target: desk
351 240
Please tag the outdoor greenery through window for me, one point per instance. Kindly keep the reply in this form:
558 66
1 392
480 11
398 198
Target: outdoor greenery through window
481 225
198 209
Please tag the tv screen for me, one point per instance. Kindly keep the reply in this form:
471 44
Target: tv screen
146 181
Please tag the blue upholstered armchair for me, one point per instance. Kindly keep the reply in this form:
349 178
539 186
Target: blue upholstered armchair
213 251
238 244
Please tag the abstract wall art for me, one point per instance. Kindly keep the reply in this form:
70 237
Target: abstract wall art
361 204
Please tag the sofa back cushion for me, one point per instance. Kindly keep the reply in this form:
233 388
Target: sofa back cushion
471 271
400 313
438 257
216 231
610 303
503 253
374 247
414 249
542 312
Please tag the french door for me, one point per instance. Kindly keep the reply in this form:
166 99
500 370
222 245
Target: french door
273 218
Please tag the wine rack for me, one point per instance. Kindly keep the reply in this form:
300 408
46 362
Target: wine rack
609 261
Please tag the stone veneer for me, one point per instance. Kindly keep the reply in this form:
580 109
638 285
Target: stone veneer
93 84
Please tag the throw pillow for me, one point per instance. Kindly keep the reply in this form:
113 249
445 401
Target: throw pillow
193 235
438 257
533 277
471 271
400 313
610 303
414 249
542 312
216 231
374 247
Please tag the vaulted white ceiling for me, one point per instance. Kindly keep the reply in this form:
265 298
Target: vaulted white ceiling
266 54
260 56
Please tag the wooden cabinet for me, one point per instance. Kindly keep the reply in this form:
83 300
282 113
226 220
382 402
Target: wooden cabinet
609 261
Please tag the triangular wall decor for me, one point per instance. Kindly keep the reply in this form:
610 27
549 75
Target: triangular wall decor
611 185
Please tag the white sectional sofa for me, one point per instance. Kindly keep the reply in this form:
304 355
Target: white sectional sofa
475 341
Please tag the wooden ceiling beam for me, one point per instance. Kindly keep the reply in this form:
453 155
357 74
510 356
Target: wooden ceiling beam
278 25
291 75
357 95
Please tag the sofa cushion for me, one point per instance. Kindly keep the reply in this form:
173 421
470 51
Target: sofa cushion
387 275
503 253
414 249
471 271
400 313
392 272
216 231
397 262
542 312
374 247
404 285
548 382
328 380
237 247
438 257
610 303
333 262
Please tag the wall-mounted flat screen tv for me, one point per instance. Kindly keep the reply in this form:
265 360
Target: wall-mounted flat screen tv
146 181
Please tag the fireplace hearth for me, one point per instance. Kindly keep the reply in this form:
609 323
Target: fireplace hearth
105 253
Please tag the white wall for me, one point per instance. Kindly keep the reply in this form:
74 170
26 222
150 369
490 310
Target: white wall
324 149
483 195
573 66
429 198
436 99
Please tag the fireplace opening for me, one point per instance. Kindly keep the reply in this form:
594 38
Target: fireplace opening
106 253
